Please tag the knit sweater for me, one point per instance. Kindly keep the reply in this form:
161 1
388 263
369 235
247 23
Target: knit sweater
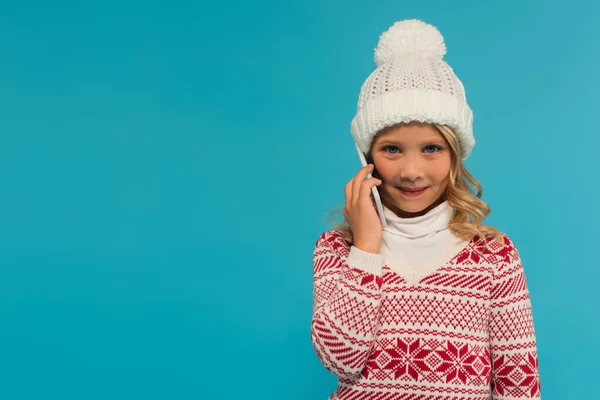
457 331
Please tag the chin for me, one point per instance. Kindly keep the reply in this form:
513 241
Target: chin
413 206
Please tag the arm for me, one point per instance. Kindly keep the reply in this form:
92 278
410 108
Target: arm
346 303
513 349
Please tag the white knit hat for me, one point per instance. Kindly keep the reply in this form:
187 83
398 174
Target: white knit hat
412 83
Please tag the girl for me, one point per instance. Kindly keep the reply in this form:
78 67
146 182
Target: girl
435 305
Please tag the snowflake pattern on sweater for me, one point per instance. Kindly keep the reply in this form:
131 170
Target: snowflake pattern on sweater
461 332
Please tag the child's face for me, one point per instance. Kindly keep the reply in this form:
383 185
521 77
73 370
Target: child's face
411 156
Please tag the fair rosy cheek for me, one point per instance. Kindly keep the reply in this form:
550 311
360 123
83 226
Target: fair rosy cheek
385 172
442 174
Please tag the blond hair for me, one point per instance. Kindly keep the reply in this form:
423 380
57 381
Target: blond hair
469 209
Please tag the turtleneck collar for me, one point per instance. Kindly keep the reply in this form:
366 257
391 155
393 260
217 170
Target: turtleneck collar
435 220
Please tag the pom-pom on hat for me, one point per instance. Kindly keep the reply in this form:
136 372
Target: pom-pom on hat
412 82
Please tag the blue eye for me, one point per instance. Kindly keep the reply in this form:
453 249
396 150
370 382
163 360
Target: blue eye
390 147
434 147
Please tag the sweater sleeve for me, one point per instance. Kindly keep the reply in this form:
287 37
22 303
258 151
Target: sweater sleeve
346 302
513 349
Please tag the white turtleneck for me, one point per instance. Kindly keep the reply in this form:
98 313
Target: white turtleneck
415 247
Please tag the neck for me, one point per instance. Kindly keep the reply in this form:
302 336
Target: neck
437 219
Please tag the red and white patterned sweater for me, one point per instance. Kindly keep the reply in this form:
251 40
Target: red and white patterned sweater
461 332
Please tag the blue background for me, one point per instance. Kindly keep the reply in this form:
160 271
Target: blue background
165 168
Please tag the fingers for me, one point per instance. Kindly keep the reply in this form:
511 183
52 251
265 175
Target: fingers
359 187
357 182
360 210
365 189
348 196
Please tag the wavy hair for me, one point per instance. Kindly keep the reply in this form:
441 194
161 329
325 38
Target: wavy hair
469 209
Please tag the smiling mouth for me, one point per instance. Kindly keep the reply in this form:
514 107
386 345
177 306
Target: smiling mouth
412 192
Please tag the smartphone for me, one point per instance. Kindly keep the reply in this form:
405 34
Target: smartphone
374 191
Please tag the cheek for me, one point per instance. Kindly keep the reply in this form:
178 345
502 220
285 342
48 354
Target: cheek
440 172
385 172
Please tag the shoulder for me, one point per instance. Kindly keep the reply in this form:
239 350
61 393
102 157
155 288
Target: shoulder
499 248
500 251
332 240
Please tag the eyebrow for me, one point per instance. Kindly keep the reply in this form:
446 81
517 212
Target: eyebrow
394 141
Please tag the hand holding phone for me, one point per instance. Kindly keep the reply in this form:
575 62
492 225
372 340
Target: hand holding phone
374 192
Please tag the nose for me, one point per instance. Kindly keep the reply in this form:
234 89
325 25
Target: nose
411 168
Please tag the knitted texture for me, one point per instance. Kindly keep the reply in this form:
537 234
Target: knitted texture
460 332
412 82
